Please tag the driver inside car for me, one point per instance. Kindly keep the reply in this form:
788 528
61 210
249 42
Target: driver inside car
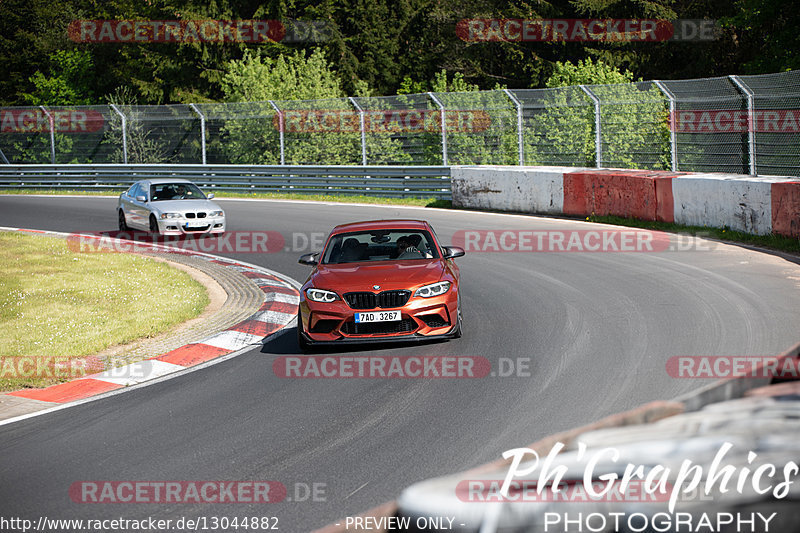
406 248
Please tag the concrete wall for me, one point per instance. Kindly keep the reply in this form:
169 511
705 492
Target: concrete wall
758 205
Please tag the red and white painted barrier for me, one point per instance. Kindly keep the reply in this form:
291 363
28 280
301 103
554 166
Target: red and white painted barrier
629 193
758 205
523 189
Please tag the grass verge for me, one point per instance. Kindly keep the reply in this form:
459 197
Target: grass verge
58 306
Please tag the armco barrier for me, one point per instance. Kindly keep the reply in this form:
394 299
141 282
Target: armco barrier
758 205
414 181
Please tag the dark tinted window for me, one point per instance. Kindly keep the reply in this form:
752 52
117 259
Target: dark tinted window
176 191
380 245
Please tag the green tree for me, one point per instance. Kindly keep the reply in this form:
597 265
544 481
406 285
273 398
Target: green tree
304 87
69 81
766 33
320 124
295 76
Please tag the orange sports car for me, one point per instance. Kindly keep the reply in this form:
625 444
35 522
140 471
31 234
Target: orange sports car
382 280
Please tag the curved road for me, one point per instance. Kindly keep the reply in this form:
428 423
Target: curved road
597 327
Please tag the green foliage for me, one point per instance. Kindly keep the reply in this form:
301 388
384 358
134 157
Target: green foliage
319 124
291 77
378 47
69 82
409 86
256 78
767 31
586 72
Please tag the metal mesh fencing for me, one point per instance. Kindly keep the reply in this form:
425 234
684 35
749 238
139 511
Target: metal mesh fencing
738 124
324 131
58 135
159 134
480 127
241 133
633 125
400 130
557 126
706 120
775 122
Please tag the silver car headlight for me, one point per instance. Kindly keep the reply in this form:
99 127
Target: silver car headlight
321 295
217 214
165 216
434 289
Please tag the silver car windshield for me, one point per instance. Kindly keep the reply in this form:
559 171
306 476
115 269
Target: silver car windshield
175 191
381 245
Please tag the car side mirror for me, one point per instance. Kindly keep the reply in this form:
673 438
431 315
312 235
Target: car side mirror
141 198
309 259
211 196
451 252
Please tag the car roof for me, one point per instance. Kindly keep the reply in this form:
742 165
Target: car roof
159 181
369 225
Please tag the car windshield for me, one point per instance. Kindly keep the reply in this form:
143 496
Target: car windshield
175 191
380 245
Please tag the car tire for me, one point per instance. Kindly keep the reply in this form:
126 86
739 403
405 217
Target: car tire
302 342
153 225
123 224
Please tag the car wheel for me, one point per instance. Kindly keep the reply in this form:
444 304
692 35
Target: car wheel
123 225
153 225
302 342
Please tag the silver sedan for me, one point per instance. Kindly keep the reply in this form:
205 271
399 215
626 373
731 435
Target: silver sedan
169 206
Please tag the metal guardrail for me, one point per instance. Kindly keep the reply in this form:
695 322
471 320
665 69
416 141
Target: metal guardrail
416 181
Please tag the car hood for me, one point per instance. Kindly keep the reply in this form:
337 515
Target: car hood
182 206
389 275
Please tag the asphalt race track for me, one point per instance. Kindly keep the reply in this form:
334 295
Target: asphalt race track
598 329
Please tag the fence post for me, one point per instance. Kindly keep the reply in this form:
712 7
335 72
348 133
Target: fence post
52 134
519 126
751 125
673 133
444 127
202 131
363 134
598 143
124 136
280 129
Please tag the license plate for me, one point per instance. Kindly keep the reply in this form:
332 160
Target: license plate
195 224
378 316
